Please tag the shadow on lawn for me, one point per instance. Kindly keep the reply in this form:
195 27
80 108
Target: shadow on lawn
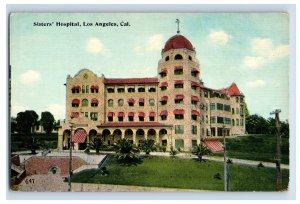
130 161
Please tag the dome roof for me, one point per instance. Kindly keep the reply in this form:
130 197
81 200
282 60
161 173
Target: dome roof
178 42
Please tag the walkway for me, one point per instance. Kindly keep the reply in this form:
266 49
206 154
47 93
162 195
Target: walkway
221 159
53 183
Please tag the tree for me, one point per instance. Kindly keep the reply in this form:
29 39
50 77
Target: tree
148 146
33 144
47 121
201 150
96 144
126 152
26 121
13 125
256 124
247 112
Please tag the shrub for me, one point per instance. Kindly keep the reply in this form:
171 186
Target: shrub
217 176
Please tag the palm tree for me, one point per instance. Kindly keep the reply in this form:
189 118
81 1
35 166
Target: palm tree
96 144
126 151
148 146
201 150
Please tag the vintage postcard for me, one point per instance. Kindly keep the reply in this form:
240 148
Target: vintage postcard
152 102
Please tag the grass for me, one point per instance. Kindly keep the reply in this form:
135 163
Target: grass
183 173
257 147
18 141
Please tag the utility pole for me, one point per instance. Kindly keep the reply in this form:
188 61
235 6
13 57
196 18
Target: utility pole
278 150
70 160
226 179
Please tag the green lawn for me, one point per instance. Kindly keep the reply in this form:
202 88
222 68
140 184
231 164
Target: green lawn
257 147
183 173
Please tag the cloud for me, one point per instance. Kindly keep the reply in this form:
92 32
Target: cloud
219 37
155 42
264 51
15 109
256 83
29 77
253 62
57 110
95 46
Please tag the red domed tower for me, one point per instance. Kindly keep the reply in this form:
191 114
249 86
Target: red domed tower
179 76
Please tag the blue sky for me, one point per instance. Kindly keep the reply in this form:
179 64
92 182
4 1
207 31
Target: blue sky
249 49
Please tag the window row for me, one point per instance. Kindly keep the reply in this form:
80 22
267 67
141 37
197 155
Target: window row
85 89
130 89
120 116
178 57
220 106
131 102
179 129
93 115
179 84
179 99
227 121
178 70
85 102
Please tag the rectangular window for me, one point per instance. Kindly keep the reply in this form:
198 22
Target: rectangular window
130 118
227 108
86 114
194 74
212 106
242 110
141 104
120 119
219 106
220 120
205 94
194 117
178 86
194 129
237 111
163 88
178 72
179 129
94 116
242 122
179 143
163 117
179 101
194 143
213 119
110 119
163 102
141 118
151 118
179 116
227 121
237 122
163 75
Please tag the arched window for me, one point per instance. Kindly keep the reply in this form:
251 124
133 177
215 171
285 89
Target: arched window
152 89
120 102
83 90
178 57
110 103
167 58
86 89
151 102
85 102
75 102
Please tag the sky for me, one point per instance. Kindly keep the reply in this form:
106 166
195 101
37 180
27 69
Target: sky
250 49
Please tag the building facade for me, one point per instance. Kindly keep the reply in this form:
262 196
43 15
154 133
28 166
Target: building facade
173 109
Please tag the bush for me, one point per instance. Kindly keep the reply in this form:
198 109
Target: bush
173 152
217 176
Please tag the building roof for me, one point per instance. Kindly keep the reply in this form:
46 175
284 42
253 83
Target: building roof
232 90
178 42
130 80
134 124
